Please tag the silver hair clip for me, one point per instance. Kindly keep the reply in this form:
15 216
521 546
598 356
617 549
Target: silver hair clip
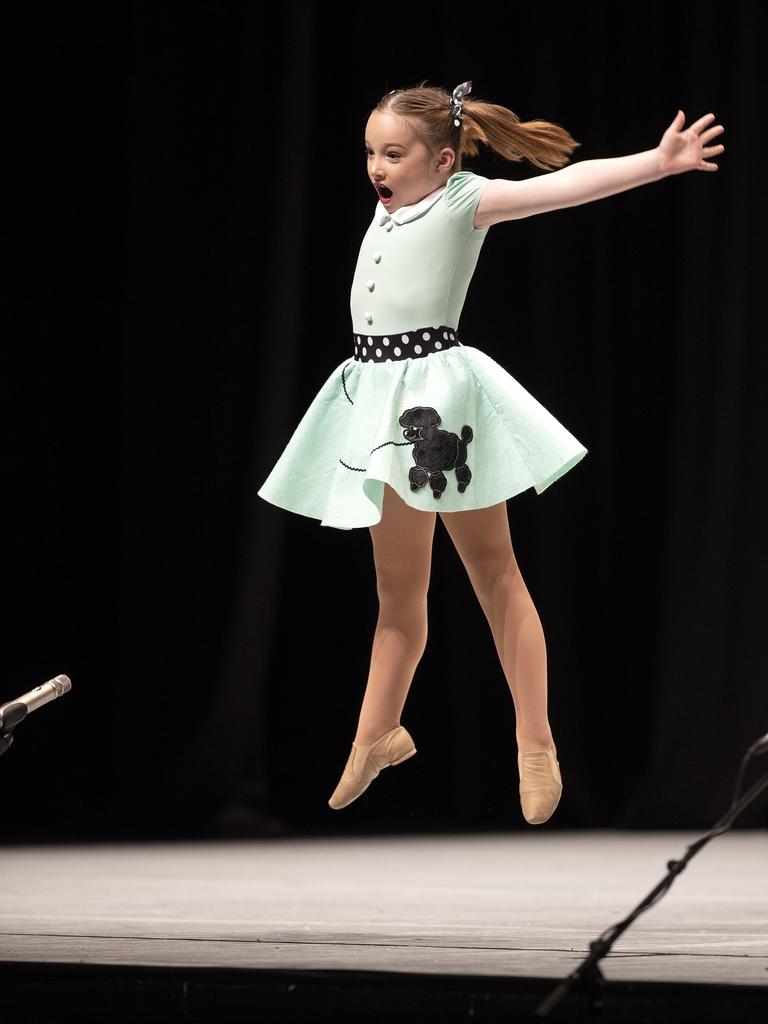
457 101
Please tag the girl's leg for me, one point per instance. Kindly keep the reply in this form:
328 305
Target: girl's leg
482 539
402 554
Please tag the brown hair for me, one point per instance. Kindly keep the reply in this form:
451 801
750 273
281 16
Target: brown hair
428 111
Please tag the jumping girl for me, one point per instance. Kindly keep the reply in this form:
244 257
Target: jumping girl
415 423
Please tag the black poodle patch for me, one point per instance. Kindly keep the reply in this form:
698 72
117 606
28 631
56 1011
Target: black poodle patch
435 450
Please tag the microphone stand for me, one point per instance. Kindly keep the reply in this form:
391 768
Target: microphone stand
588 976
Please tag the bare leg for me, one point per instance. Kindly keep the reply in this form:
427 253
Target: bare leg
402 553
482 539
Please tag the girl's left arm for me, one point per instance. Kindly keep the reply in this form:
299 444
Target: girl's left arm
679 150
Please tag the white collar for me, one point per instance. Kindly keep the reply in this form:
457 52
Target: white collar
406 213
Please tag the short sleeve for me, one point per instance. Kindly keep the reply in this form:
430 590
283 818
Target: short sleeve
461 196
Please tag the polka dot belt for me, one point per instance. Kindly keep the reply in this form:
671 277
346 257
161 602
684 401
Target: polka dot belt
384 348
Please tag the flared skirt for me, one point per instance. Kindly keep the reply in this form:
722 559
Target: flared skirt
449 432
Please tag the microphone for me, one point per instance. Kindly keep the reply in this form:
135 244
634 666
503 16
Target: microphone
15 711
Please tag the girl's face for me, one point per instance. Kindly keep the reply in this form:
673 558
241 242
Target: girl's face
401 168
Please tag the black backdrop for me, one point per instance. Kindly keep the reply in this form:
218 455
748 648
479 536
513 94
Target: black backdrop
189 197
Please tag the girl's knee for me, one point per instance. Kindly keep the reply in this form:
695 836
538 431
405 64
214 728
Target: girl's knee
407 622
402 577
404 592
490 577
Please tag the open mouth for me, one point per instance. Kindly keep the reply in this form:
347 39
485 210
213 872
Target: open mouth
384 192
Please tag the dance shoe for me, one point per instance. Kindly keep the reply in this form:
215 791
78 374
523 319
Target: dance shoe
366 761
540 785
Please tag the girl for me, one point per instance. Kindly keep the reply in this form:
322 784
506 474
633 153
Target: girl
415 423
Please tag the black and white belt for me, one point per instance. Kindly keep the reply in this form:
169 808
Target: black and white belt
385 348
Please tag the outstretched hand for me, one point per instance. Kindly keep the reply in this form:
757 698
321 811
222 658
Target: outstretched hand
684 149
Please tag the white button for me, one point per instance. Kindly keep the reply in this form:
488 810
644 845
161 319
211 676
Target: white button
390 226
397 351
384 218
369 319
370 285
417 348
377 257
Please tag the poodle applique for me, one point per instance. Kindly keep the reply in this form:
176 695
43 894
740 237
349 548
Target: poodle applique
435 450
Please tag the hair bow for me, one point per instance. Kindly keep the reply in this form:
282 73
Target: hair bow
457 101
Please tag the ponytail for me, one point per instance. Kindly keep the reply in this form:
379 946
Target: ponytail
428 110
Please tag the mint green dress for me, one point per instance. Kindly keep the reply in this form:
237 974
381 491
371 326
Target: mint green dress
446 426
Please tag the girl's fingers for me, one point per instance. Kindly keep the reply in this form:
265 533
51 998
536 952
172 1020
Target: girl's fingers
702 121
710 133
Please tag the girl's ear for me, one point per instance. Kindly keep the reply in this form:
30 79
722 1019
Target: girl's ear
447 158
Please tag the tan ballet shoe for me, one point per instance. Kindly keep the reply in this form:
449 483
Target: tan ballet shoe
540 785
366 761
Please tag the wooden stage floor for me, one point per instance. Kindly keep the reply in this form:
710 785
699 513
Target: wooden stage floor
523 905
